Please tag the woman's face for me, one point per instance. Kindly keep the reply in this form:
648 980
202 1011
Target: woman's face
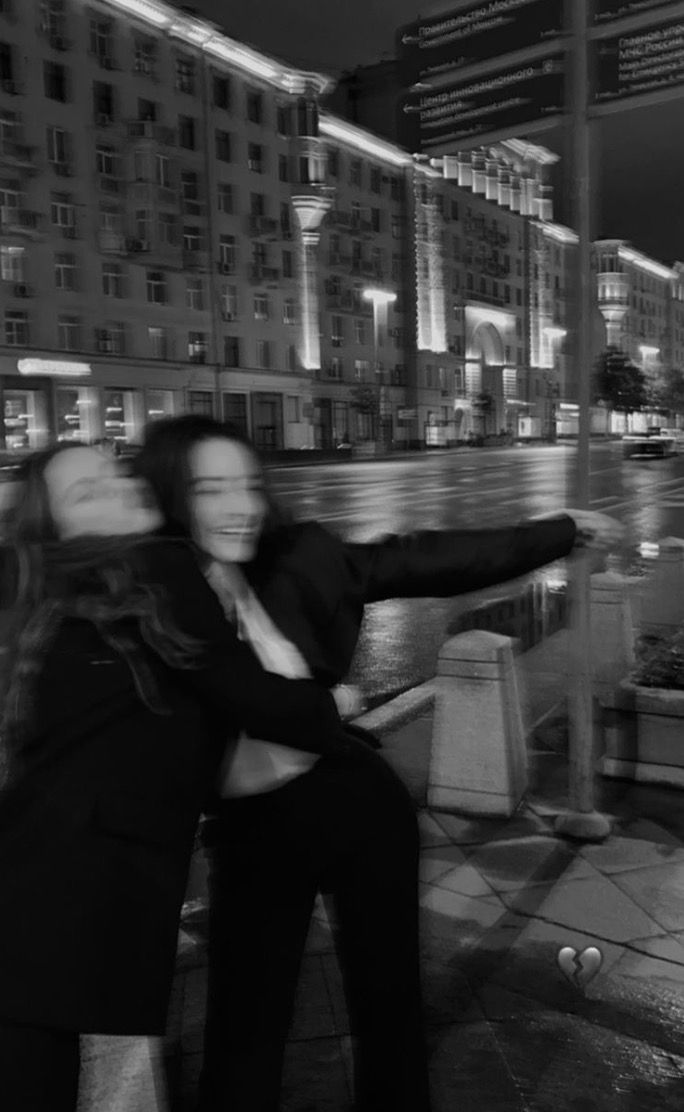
227 501
87 495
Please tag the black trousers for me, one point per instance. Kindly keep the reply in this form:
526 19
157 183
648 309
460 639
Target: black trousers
38 1069
347 828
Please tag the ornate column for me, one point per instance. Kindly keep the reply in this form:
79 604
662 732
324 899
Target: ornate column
310 210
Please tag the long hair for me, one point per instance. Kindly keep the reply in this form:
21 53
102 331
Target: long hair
93 578
164 463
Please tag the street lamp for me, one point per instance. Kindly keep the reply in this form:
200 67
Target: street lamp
380 300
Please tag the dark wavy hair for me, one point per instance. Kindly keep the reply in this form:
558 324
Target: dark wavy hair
164 463
93 578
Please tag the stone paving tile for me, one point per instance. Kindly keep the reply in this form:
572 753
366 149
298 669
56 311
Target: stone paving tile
647 830
313 1013
658 890
620 854
650 967
569 1062
530 964
469 1072
194 1009
476 832
576 903
508 866
315 1077
670 947
466 880
437 860
431 833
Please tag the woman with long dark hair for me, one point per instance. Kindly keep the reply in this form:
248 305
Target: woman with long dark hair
287 825
119 679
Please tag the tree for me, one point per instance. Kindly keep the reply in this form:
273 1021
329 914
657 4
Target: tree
365 398
619 383
668 394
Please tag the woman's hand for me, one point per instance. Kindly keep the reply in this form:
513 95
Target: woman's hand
349 700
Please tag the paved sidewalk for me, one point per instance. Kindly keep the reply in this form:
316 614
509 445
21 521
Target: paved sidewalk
507 1031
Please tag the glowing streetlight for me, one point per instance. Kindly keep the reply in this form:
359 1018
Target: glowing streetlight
380 300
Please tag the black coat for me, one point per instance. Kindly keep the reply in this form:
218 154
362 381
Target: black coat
315 586
96 836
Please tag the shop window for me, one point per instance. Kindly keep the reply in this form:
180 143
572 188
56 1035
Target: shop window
119 415
77 413
201 402
158 404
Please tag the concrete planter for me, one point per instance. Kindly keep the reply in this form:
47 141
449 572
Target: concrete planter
644 735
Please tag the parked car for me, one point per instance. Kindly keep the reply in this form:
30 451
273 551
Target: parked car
656 442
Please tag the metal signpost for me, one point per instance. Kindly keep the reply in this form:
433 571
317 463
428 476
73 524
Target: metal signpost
495 69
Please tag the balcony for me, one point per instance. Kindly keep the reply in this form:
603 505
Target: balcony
18 156
138 246
263 274
111 243
108 183
192 207
263 226
104 120
17 221
152 131
224 266
194 260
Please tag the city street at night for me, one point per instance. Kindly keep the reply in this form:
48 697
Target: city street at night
468 489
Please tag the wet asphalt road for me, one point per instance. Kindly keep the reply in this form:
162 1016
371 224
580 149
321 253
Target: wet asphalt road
474 489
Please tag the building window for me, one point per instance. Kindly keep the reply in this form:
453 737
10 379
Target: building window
16 328
361 369
192 238
65 272
162 171
185 74
12 264
167 228
190 201
58 149
201 402
337 331
255 157
112 280
194 293
292 410
261 307
288 270
235 411
54 81
197 347
159 404
375 219
186 132
255 107
227 254
101 41
142 224
159 342
355 171
359 331
156 287
289 311
103 103
336 368
231 351
283 121
283 167
221 87
105 160
285 220
111 339
257 204
291 357
263 354
145 56
333 164
225 197
68 333
229 303
223 145
375 180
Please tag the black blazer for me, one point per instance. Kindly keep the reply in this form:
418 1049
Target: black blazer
315 586
96 835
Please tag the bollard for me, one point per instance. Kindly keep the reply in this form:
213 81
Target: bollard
478 760
612 632
663 593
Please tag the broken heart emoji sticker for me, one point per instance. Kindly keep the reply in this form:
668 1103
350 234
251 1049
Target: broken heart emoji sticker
579 968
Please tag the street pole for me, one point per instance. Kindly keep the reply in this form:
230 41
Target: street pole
581 821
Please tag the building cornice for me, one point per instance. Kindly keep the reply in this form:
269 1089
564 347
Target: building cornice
209 39
365 142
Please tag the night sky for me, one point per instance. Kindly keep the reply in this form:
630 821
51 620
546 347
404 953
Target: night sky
639 178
